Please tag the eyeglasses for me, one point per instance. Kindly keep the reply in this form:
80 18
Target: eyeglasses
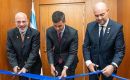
100 15
21 22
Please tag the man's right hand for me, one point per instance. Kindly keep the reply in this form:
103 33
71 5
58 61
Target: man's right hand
53 70
16 69
91 67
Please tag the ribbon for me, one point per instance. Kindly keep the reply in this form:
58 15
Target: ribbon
118 77
28 75
39 77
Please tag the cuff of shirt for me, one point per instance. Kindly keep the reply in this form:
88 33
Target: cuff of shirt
115 64
66 67
88 62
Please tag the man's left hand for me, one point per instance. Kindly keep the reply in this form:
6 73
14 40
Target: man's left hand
23 70
108 70
63 73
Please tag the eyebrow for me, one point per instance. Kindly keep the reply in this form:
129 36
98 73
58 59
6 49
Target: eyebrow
102 14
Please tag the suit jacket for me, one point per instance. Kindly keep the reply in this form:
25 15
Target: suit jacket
66 50
112 48
24 54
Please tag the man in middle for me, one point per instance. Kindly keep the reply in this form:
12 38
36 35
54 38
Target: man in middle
62 46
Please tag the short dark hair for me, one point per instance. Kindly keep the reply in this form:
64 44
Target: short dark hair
58 16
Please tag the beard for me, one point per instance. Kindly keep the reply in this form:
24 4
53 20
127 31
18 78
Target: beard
23 30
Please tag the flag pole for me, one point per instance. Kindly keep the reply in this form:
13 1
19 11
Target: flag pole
33 25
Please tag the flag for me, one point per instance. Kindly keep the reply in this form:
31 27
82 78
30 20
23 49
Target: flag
34 25
33 17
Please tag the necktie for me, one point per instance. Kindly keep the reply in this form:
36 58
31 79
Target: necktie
22 36
101 35
60 60
59 37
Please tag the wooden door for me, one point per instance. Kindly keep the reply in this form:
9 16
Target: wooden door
74 17
123 9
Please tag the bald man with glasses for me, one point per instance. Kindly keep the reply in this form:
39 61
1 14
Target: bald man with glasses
23 45
104 46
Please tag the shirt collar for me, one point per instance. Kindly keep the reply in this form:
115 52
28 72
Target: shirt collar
63 29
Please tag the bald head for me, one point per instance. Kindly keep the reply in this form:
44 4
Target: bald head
101 10
20 15
21 21
100 6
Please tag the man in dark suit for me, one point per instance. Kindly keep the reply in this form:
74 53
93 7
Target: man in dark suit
23 45
62 45
103 46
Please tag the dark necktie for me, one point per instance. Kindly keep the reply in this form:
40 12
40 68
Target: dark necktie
59 37
22 37
60 60
101 35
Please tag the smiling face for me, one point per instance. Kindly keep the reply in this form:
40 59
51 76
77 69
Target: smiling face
21 21
101 13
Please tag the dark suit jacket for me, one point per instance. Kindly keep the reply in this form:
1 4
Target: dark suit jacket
68 48
112 48
24 54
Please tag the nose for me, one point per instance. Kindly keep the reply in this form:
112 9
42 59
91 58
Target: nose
99 17
57 28
21 23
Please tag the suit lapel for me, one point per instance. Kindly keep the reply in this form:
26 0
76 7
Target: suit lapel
55 36
95 34
64 36
27 36
18 38
107 32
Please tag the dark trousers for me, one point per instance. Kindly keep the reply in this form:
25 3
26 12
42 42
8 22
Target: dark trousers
97 77
24 78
